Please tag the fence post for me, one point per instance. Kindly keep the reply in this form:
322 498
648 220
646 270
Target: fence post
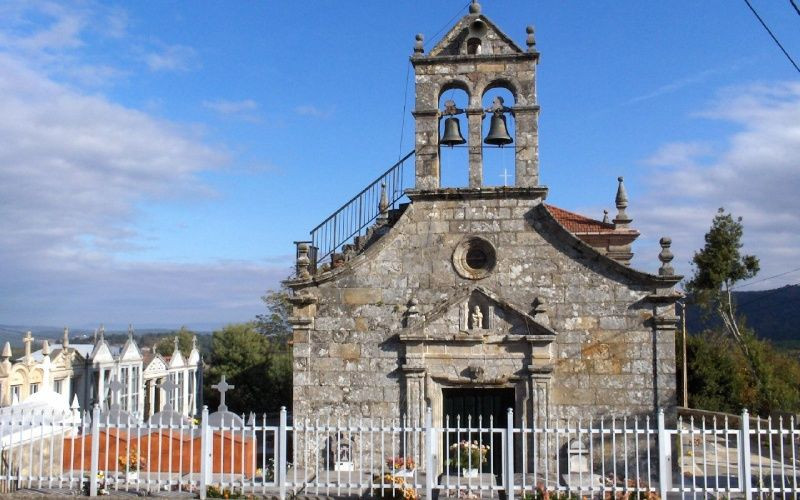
430 472
510 454
744 455
206 463
280 473
664 456
95 452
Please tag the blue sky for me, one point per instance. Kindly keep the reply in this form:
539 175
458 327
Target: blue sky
157 159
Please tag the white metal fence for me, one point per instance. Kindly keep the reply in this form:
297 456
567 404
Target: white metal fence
628 457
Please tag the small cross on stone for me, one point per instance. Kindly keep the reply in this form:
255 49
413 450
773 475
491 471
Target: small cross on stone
115 387
505 175
222 387
169 386
28 340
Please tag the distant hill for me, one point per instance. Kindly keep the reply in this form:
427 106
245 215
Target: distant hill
772 314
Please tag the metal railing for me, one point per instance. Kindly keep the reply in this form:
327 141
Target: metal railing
628 457
352 218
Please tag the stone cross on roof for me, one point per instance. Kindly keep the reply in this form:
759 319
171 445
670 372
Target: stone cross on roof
115 387
222 387
28 339
505 175
169 386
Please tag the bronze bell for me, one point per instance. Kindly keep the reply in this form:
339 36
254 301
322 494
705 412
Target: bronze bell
498 132
452 133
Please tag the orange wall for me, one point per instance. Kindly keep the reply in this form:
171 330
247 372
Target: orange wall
184 456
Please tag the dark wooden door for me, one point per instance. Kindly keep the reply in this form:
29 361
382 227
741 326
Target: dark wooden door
486 403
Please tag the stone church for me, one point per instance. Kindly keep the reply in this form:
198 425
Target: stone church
479 298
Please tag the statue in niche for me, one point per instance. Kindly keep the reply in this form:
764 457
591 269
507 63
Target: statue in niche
476 318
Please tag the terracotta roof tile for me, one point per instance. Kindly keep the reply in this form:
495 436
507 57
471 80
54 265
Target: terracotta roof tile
577 223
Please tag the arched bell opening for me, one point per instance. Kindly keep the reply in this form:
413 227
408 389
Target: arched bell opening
499 128
453 137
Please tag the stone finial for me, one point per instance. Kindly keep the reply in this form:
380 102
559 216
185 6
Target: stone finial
45 348
665 256
194 342
531 39
130 332
175 345
102 333
622 219
383 204
474 7
28 339
418 48
6 351
303 262
65 338
605 217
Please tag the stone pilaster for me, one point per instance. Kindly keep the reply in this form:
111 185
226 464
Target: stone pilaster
427 148
474 140
526 133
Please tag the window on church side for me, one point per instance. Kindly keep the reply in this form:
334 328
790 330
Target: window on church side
15 390
135 386
124 374
34 388
191 389
58 385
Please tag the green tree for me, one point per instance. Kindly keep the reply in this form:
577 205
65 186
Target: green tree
260 368
274 323
166 345
719 265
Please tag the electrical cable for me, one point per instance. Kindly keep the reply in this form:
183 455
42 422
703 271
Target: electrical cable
408 71
796 8
774 38
765 279
764 296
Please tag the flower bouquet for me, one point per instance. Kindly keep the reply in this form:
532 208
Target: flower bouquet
468 456
131 463
401 466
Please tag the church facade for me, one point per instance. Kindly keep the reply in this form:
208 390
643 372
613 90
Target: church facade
81 373
482 296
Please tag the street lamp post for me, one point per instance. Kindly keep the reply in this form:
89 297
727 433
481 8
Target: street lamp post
683 336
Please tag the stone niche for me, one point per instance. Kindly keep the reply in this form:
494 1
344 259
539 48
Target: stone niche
476 340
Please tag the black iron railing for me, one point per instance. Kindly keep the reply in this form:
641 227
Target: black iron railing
356 215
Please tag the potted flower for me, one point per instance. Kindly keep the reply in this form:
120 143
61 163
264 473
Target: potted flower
131 463
401 466
468 457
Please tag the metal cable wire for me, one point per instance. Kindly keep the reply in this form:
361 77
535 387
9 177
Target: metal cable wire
774 38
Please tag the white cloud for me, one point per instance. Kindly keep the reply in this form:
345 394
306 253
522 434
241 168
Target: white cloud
75 166
754 174
243 110
316 112
171 58
231 107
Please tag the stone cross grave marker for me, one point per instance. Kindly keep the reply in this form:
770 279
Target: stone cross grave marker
115 387
169 386
28 340
222 387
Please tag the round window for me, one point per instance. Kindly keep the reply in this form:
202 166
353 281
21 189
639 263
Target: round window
474 258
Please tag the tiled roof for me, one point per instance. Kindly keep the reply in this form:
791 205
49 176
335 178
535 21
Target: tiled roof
577 223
